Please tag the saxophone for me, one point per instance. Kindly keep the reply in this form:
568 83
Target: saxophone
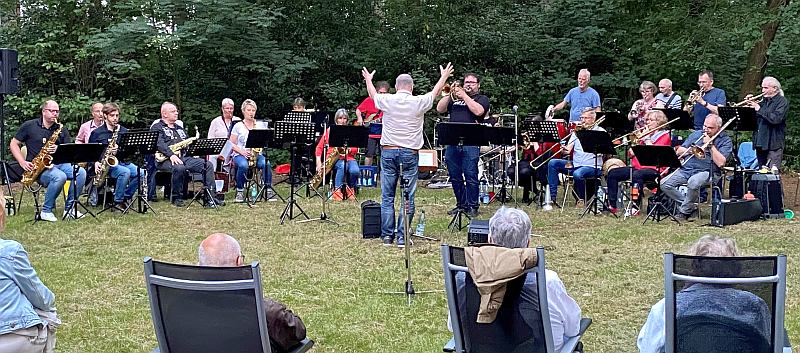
43 160
329 162
177 147
254 152
109 160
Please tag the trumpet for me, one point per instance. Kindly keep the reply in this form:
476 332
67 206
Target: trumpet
637 135
694 96
749 100
449 89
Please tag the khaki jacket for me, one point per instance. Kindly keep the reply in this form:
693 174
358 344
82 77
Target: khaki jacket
491 267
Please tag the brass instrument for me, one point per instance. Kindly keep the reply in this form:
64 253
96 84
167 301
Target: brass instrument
749 100
637 108
333 156
449 89
177 147
637 135
694 96
43 160
550 112
578 127
699 152
254 152
109 160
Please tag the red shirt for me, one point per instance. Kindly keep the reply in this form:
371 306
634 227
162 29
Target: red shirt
351 155
664 140
367 108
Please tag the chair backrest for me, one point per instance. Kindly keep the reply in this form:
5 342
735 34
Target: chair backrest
724 304
511 331
747 155
207 309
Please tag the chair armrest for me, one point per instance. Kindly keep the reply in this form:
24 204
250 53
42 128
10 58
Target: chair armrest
572 342
157 350
450 346
305 346
585 323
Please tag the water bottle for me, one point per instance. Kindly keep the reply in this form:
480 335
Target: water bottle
253 192
600 196
484 192
420 225
635 192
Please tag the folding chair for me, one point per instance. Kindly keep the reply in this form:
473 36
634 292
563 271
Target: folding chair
208 309
511 331
724 304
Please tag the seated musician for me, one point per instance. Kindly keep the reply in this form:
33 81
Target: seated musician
535 152
299 105
242 156
170 133
366 112
658 135
33 134
221 126
342 163
584 164
695 171
124 172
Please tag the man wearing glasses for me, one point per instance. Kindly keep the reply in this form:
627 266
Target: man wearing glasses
710 99
467 106
33 134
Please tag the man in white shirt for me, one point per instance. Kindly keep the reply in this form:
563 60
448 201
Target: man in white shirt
403 117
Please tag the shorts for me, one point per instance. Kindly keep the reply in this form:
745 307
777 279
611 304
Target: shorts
373 146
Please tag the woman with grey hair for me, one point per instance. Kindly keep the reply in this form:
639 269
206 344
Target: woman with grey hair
648 102
221 127
510 228
342 162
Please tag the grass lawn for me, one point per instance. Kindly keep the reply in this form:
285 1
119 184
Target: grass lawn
335 280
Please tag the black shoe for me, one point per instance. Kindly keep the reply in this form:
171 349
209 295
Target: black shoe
178 203
453 211
387 241
472 212
120 206
682 217
219 202
209 205
526 200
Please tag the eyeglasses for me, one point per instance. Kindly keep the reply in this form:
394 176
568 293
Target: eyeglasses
53 111
470 82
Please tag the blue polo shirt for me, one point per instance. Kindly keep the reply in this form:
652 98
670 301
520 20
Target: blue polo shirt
715 96
578 100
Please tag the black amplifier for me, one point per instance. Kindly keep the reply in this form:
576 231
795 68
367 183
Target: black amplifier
734 211
370 219
478 232
768 189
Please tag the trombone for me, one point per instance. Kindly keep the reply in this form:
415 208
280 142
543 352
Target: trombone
638 135
699 152
561 142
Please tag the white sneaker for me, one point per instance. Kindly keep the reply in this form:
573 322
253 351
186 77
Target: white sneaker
48 216
547 207
72 214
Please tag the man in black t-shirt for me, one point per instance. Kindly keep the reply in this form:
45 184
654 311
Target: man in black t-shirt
124 172
33 134
468 106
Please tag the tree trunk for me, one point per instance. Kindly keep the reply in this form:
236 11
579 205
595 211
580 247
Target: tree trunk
757 57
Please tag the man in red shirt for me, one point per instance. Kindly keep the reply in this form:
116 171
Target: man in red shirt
366 112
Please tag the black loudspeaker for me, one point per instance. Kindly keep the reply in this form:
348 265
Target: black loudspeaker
478 232
768 189
734 211
370 219
9 71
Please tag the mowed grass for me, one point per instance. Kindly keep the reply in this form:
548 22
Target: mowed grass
337 281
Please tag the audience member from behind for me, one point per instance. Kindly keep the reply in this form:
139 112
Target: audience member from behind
28 318
699 298
511 228
286 329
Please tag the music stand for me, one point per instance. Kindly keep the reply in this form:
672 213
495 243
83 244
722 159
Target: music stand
74 153
205 147
660 157
293 133
543 131
615 122
461 134
347 136
503 136
131 143
259 138
746 121
595 142
685 122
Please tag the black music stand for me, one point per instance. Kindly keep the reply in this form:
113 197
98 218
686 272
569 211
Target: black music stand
503 136
74 153
347 136
293 133
615 122
542 131
595 142
745 121
660 157
685 122
205 147
132 143
259 138
461 134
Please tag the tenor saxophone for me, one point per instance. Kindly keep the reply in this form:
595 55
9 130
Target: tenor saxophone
43 160
109 160
329 162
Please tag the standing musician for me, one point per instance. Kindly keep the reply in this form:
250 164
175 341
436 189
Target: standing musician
768 140
403 118
343 163
242 156
366 110
694 171
637 114
34 133
124 172
462 161
667 96
710 99
95 122
657 135
584 164
170 133
221 127
580 98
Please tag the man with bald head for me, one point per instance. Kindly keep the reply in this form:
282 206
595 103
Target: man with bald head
286 329
170 133
95 122
667 97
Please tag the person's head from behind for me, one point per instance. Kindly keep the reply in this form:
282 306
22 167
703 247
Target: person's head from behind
510 228
404 82
220 250
714 246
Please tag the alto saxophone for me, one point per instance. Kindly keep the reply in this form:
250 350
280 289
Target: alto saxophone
177 147
43 160
254 152
329 162
109 160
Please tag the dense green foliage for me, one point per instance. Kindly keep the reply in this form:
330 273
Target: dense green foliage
195 52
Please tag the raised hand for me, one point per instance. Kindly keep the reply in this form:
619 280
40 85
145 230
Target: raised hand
447 70
367 74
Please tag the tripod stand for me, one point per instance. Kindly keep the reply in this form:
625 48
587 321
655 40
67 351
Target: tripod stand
258 138
460 135
205 147
74 153
661 157
141 143
323 216
293 133
597 142
503 136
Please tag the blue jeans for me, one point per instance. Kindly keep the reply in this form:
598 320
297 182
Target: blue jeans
462 166
579 175
123 173
352 170
54 179
242 166
390 172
